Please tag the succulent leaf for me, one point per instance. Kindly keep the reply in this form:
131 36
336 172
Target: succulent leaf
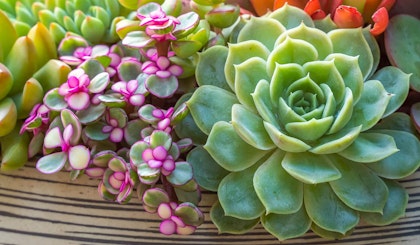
229 224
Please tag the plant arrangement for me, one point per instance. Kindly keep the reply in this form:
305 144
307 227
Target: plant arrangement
287 115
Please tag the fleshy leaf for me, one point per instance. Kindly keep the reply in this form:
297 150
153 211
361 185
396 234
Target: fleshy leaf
310 168
371 106
327 211
264 30
285 142
207 172
248 74
332 235
401 39
228 224
284 75
190 214
278 191
155 196
310 130
291 16
337 142
237 195
99 83
162 87
286 226
52 163
370 147
408 156
359 188
291 51
54 100
181 174
229 150
314 36
263 102
79 157
394 207
210 67
206 114
395 82
240 52
351 41
348 67
250 128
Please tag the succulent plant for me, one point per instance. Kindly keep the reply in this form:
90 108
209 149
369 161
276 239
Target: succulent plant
344 13
101 122
93 19
300 131
401 38
28 68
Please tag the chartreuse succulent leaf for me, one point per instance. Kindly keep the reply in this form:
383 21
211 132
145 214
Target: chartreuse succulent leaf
279 192
408 156
286 226
223 141
44 44
342 39
250 128
207 114
371 106
31 95
207 172
394 207
263 30
290 16
310 168
321 204
14 149
6 81
210 67
370 147
360 188
8 116
7 30
229 224
248 73
238 53
395 82
20 62
238 197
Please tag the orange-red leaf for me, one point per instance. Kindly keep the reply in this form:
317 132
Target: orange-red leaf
348 17
381 19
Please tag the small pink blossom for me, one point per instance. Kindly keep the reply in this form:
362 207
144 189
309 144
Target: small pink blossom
75 90
129 91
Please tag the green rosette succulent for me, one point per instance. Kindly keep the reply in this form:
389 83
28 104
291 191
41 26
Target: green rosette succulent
95 20
28 68
300 130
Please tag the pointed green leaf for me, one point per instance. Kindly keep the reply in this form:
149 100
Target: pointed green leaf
286 226
210 104
237 195
248 74
250 128
327 211
404 162
263 102
229 150
284 75
8 116
371 106
348 67
228 224
395 82
284 141
359 188
290 16
44 44
278 191
337 142
238 53
264 30
207 172
394 207
310 130
310 168
332 235
291 51
7 30
351 41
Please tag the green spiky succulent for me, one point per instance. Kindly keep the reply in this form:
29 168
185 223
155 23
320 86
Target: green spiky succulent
95 20
300 130
28 69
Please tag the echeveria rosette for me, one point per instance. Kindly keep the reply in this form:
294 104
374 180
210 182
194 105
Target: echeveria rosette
291 135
